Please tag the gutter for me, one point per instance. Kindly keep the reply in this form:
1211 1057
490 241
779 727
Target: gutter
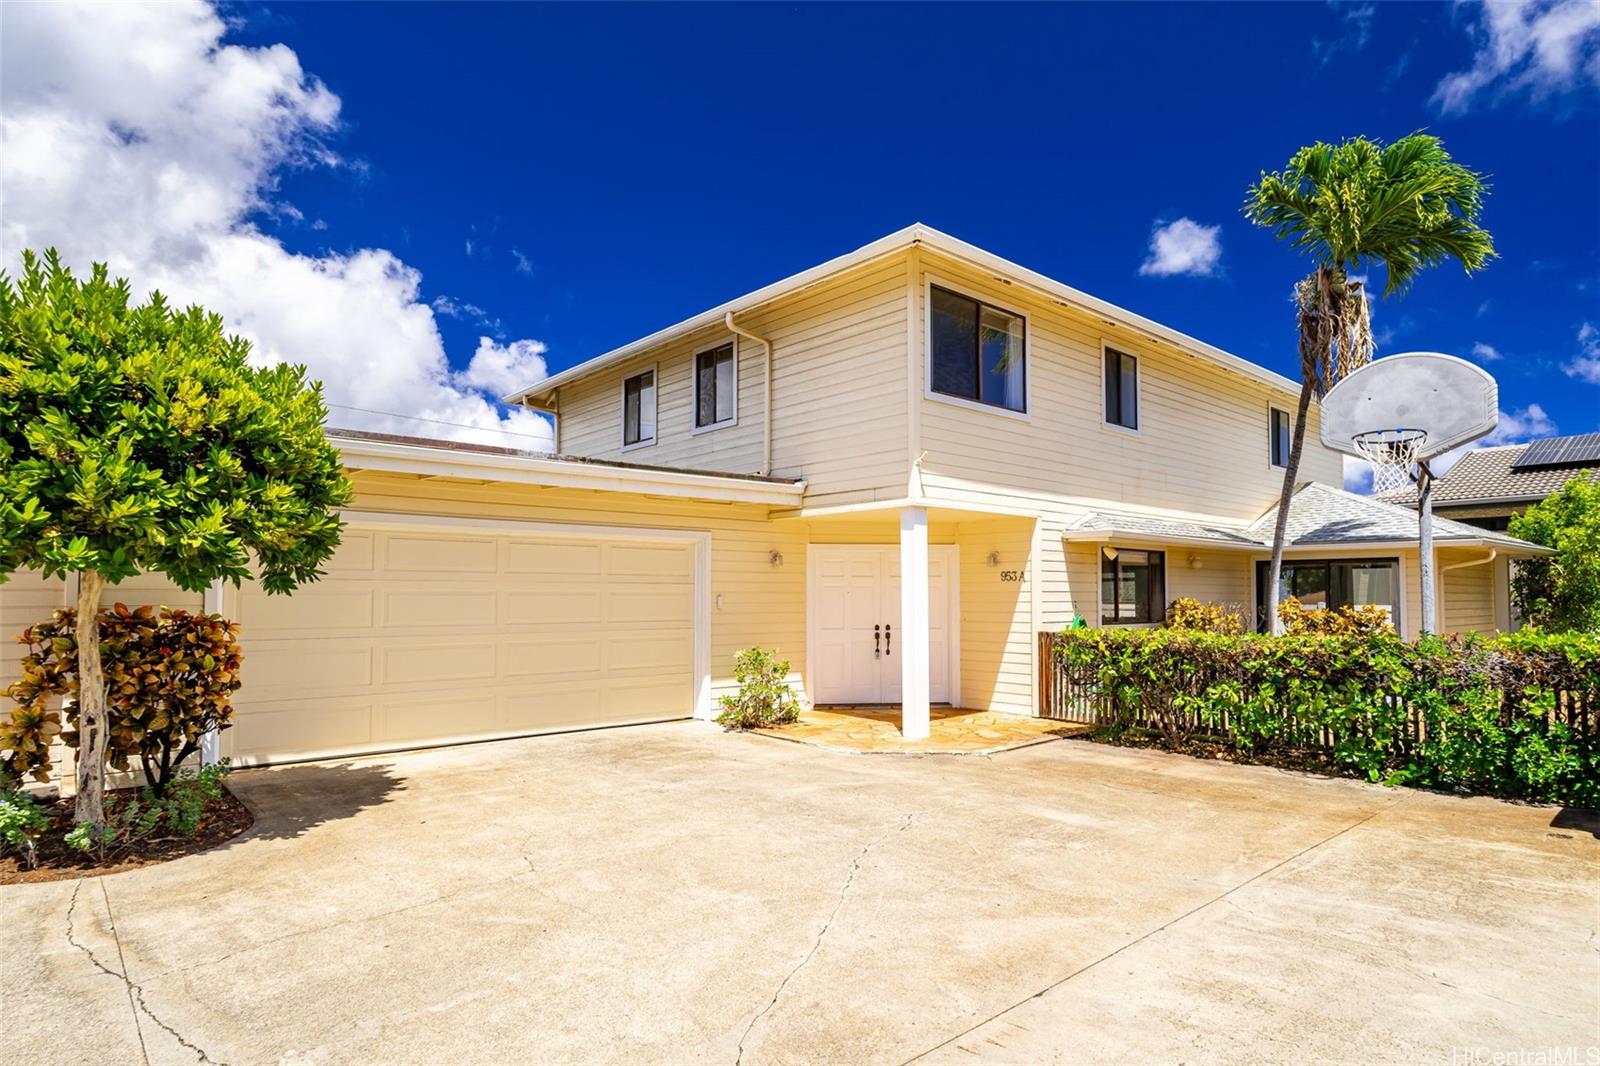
766 385
1494 553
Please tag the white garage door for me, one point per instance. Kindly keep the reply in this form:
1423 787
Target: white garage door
422 636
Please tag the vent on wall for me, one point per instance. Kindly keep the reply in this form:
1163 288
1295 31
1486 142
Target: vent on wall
1582 450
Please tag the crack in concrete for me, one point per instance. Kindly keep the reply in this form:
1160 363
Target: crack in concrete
1221 897
135 991
844 890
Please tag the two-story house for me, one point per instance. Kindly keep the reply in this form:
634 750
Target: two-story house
897 467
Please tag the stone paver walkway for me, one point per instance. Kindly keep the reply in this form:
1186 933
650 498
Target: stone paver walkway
952 730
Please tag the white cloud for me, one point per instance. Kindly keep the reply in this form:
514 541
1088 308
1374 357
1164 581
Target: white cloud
501 369
1183 247
1526 423
1586 364
1357 475
1486 353
524 264
132 134
1542 47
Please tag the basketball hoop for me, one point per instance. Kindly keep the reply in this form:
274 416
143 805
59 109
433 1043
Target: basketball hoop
1393 453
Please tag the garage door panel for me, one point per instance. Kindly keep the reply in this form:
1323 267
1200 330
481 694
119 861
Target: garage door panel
645 605
457 714
553 658
440 556
660 651
304 667
406 663
566 606
439 607
566 561
356 555
418 637
335 607
654 563
286 729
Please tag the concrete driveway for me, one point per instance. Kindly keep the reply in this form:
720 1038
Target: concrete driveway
674 893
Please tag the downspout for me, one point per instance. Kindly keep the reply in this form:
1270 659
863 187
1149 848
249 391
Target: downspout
766 385
1494 553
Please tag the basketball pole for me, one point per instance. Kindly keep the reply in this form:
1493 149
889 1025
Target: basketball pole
1425 542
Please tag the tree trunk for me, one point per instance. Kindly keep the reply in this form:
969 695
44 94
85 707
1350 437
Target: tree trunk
1281 529
90 803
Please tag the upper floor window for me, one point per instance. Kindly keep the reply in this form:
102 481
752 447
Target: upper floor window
976 352
1133 586
716 387
1122 389
639 409
1279 430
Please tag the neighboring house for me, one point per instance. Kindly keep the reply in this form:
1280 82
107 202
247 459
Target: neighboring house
897 467
1489 485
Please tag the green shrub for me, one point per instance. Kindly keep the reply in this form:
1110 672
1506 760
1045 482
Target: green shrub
170 678
1498 716
1561 591
764 697
131 818
1186 613
23 820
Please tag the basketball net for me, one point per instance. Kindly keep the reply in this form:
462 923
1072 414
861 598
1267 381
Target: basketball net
1393 455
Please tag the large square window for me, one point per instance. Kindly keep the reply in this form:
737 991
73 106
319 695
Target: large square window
977 352
1328 584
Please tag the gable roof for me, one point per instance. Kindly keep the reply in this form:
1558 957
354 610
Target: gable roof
894 243
1487 475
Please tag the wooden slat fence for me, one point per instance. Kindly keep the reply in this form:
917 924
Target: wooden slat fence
1073 697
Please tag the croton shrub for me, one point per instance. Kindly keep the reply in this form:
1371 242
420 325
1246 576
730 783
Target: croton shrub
170 678
764 697
1512 716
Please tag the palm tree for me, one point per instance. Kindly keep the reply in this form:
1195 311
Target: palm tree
1352 207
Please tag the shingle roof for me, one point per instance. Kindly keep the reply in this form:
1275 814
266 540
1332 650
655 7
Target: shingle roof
1485 474
1322 514
1143 525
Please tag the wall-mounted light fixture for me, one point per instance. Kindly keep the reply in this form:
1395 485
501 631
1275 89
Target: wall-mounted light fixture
1194 561
776 558
993 559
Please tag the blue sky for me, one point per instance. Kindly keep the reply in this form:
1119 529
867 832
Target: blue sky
562 179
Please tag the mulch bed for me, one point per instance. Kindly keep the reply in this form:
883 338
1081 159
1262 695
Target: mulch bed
225 819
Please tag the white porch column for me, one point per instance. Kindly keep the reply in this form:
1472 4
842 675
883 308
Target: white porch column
913 636
210 741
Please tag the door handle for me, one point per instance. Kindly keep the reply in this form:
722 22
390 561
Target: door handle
877 649
888 639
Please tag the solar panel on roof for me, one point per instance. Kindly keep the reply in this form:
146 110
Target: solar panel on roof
1581 450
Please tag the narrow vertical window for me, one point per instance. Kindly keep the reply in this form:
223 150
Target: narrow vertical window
1122 389
715 387
1279 436
639 410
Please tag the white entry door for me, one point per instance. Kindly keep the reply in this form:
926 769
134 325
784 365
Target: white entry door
855 640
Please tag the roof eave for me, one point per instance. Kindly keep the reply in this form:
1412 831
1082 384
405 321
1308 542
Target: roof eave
557 473
893 243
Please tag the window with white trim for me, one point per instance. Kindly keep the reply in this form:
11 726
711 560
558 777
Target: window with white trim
1279 433
976 352
715 387
639 409
1122 389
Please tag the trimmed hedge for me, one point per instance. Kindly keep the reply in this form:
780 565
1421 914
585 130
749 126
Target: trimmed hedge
1515 716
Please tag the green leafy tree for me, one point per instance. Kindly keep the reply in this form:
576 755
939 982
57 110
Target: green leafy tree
138 438
1561 592
1351 207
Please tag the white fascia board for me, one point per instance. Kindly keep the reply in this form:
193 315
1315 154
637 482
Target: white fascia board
1104 536
558 473
939 242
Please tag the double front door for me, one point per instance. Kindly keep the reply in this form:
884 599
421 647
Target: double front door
856 643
